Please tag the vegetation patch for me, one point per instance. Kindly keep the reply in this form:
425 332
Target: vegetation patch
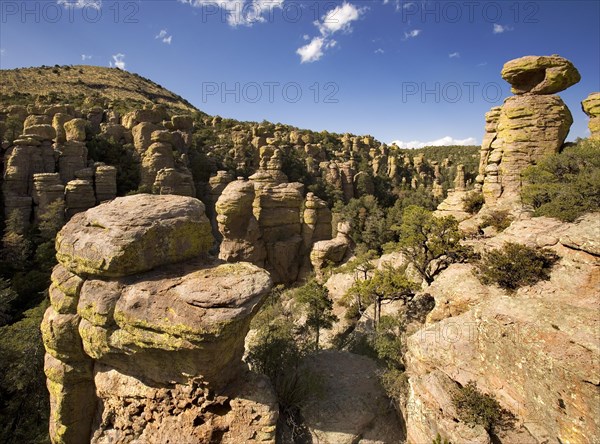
566 185
516 265
477 408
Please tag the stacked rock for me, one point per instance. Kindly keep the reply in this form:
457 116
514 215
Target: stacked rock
47 188
159 155
105 182
529 126
144 347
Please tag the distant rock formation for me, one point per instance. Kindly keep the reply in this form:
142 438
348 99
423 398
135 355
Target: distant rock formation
528 127
144 335
591 106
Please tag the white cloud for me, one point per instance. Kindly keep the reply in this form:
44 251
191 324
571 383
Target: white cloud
444 141
379 51
85 57
119 61
339 19
305 37
412 34
240 12
96 4
2 51
454 55
499 29
336 20
164 36
313 51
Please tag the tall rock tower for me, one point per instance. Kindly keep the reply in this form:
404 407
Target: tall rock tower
527 127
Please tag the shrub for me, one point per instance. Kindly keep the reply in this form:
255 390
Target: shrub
439 440
477 408
500 220
516 265
473 202
566 185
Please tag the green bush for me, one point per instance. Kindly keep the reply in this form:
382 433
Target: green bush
500 220
516 265
473 202
477 408
566 185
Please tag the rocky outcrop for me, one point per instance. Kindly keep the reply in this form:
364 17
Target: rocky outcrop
142 347
528 127
591 106
331 252
536 350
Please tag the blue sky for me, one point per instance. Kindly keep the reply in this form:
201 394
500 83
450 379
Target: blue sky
398 70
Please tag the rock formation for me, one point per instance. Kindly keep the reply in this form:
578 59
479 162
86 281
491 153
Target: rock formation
142 347
536 350
591 106
529 126
331 252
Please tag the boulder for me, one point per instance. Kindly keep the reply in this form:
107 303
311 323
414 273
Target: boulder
124 236
540 74
75 130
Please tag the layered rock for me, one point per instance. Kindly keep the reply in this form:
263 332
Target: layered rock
591 106
171 181
143 348
105 183
47 189
528 127
277 210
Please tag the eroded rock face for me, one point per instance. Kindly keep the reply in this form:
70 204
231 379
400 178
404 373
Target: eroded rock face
334 251
536 351
591 106
143 349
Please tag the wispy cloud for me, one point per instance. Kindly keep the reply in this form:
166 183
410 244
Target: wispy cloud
96 4
499 29
85 57
379 51
240 12
338 19
412 34
2 51
444 141
454 55
164 36
118 61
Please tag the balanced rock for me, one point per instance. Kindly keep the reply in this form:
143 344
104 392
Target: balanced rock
527 128
540 74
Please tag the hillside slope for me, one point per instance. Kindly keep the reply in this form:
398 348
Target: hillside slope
75 83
